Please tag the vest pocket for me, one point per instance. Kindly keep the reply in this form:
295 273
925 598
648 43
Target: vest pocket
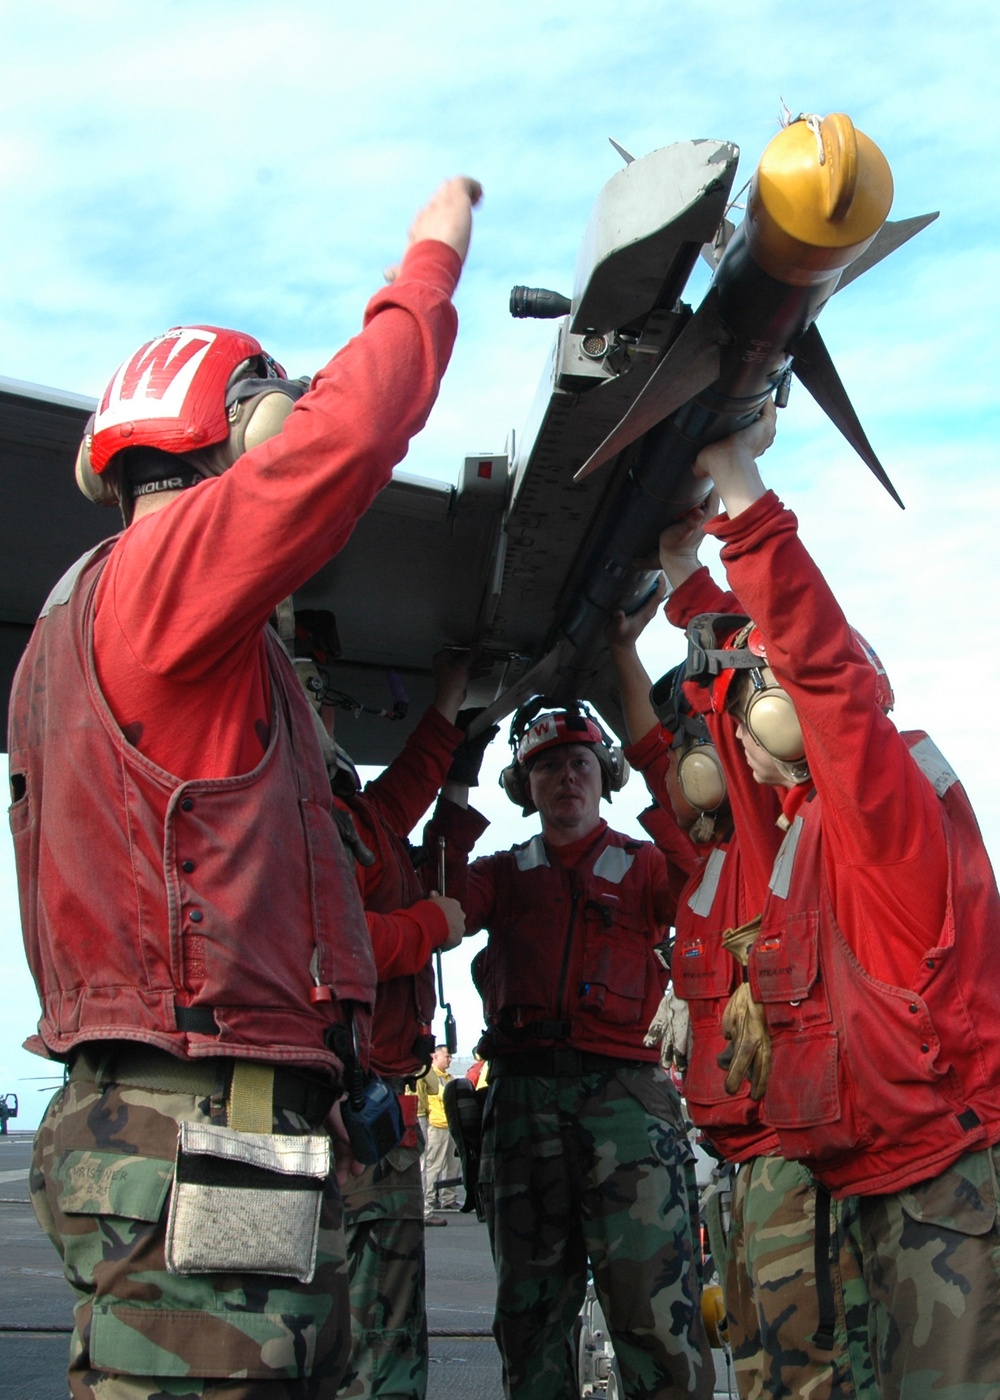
803 1089
804 1092
613 980
784 973
701 969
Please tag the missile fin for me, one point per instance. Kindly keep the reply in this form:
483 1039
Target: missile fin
626 156
813 366
891 235
691 364
712 252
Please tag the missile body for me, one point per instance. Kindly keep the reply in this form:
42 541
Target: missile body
818 199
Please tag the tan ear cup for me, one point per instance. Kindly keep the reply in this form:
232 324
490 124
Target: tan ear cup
101 489
772 721
702 780
257 419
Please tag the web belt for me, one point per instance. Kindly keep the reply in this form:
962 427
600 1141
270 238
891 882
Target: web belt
253 1091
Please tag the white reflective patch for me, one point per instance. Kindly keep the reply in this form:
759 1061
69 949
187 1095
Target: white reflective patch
934 766
613 864
531 856
155 381
701 900
781 874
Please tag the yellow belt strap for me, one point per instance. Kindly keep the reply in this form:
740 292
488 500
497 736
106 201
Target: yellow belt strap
251 1097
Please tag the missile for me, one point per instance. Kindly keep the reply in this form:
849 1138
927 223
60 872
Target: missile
816 218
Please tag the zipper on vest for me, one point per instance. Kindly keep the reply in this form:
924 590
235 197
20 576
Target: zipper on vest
564 970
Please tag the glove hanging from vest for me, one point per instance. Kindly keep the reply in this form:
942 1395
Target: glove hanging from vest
671 1027
748 1055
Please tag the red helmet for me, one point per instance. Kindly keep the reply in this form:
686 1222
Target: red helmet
548 731
722 645
535 729
171 394
749 638
768 711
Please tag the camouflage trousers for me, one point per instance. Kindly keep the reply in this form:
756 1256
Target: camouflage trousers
384 1222
101 1181
795 1294
932 1261
594 1168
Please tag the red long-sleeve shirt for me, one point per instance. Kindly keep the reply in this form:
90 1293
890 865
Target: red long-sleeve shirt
404 927
884 846
188 589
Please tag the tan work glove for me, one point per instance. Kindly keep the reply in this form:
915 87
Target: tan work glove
739 941
748 1055
671 1029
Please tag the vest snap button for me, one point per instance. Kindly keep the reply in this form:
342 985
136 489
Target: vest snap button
924 1049
196 916
914 1010
186 804
187 866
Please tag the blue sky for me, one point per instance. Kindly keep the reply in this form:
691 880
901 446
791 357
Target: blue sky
252 165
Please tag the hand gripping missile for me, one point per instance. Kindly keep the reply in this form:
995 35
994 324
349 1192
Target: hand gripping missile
816 217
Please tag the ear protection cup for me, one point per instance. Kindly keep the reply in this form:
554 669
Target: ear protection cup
253 420
616 769
701 777
513 780
101 489
772 721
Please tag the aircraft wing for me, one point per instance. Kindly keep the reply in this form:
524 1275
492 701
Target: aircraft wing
45 523
410 578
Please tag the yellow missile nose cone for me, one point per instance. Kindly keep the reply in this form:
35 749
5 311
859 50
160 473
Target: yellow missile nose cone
820 194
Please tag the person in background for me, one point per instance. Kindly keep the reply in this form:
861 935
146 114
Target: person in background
383 1206
475 1070
441 1164
584 1155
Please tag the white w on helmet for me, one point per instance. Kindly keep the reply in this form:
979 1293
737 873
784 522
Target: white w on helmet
201 394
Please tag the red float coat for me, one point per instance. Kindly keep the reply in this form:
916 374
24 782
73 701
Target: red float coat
883 909
143 895
571 954
714 899
405 928
181 659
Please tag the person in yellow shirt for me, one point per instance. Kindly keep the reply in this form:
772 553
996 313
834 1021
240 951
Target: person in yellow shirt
440 1155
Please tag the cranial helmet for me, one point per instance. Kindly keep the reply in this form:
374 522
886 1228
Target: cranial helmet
698 766
765 708
200 394
536 728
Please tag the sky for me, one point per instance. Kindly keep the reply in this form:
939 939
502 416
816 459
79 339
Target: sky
257 166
